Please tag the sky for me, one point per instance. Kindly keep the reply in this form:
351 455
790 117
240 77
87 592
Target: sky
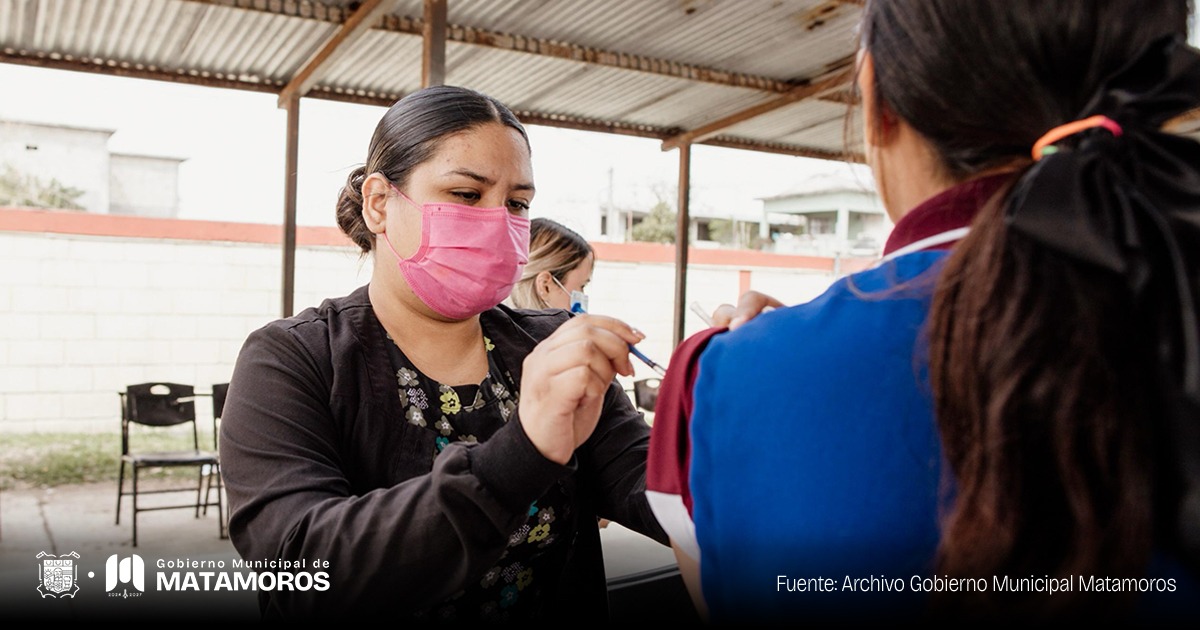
233 145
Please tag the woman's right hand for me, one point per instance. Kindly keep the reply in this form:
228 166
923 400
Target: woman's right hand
565 378
749 306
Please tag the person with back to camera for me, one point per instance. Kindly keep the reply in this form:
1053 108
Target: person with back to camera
559 269
447 457
1008 404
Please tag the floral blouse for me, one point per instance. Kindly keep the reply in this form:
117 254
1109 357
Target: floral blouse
536 551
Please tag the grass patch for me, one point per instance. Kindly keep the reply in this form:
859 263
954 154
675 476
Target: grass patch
46 460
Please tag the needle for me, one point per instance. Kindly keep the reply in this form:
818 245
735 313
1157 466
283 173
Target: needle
704 317
660 370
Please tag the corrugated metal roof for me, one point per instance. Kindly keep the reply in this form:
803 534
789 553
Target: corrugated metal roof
648 67
789 41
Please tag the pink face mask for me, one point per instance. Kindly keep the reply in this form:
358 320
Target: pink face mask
469 258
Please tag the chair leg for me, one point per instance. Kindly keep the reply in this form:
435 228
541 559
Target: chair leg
199 487
222 526
120 490
135 503
207 487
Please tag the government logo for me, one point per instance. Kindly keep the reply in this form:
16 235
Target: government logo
58 574
125 577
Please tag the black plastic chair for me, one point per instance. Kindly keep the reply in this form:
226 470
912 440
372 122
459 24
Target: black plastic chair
161 406
645 393
219 391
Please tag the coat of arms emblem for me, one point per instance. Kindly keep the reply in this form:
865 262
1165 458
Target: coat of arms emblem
58 574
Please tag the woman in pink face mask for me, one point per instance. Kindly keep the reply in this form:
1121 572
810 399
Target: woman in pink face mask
446 455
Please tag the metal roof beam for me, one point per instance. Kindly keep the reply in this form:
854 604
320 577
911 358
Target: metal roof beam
112 67
599 57
378 99
547 48
785 149
355 26
815 88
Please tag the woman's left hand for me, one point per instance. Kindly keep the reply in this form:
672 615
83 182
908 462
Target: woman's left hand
565 379
749 306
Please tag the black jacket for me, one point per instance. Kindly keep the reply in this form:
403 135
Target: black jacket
319 463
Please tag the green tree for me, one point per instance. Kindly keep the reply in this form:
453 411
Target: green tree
658 226
27 191
723 231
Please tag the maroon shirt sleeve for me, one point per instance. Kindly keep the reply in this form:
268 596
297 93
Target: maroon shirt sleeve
669 458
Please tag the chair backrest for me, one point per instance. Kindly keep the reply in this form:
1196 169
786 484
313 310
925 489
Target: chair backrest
645 393
219 391
158 405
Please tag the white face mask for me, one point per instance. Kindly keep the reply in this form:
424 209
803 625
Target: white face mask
579 300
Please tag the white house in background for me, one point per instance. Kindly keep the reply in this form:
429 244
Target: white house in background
75 156
708 226
79 157
833 214
144 185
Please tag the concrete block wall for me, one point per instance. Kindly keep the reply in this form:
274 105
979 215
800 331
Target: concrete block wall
84 315
643 294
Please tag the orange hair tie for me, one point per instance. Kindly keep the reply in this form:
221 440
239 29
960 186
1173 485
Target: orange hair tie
1042 146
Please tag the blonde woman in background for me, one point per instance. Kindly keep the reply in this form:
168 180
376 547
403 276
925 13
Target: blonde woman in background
559 268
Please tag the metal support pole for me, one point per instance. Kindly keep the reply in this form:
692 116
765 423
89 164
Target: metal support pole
682 237
433 57
289 204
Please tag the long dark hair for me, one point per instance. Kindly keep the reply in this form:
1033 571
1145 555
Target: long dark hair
407 135
1045 365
